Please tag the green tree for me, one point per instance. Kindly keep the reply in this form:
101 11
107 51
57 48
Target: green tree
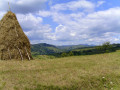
70 53
107 47
64 54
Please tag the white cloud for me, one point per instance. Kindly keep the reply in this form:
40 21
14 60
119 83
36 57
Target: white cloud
116 39
74 5
73 34
44 13
60 28
96 27
29 21
34 28
77 26
100 3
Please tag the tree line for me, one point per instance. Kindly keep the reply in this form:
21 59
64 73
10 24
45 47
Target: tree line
104 48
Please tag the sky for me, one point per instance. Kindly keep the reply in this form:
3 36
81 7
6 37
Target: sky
67 22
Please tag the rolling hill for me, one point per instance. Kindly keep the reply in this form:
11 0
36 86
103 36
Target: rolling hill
44 49
47 49
71 47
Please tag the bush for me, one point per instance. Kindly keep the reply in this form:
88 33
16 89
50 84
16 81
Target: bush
70 53
64 54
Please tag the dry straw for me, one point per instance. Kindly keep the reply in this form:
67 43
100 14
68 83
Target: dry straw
14 44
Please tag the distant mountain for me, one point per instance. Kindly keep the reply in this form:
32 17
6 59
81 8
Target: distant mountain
47 49
44 49
71 47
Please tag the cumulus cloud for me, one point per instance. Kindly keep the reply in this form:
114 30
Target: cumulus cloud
100 3
82 24
74 5
44 13
96 27
33 27
29 21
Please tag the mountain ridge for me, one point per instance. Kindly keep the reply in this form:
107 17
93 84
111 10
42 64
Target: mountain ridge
47 49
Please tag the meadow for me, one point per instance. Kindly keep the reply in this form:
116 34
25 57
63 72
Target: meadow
87 72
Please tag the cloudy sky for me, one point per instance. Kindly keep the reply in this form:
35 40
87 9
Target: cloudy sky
67 22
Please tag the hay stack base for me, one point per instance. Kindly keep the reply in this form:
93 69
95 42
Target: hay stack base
14 44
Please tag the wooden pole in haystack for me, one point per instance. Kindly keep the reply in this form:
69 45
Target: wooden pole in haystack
9 6
9 53
27 53
20 54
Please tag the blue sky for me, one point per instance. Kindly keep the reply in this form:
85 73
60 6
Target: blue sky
67 22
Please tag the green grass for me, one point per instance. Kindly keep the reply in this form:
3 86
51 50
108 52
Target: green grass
43 57
90 72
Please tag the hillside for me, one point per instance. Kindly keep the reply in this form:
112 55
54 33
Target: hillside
44 49
90 72
71 47
47 49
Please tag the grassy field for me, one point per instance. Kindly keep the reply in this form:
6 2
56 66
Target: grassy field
90 72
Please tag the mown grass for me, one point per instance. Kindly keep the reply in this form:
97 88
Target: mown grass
90 72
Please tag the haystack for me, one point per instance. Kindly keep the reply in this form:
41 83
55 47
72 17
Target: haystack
14 44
